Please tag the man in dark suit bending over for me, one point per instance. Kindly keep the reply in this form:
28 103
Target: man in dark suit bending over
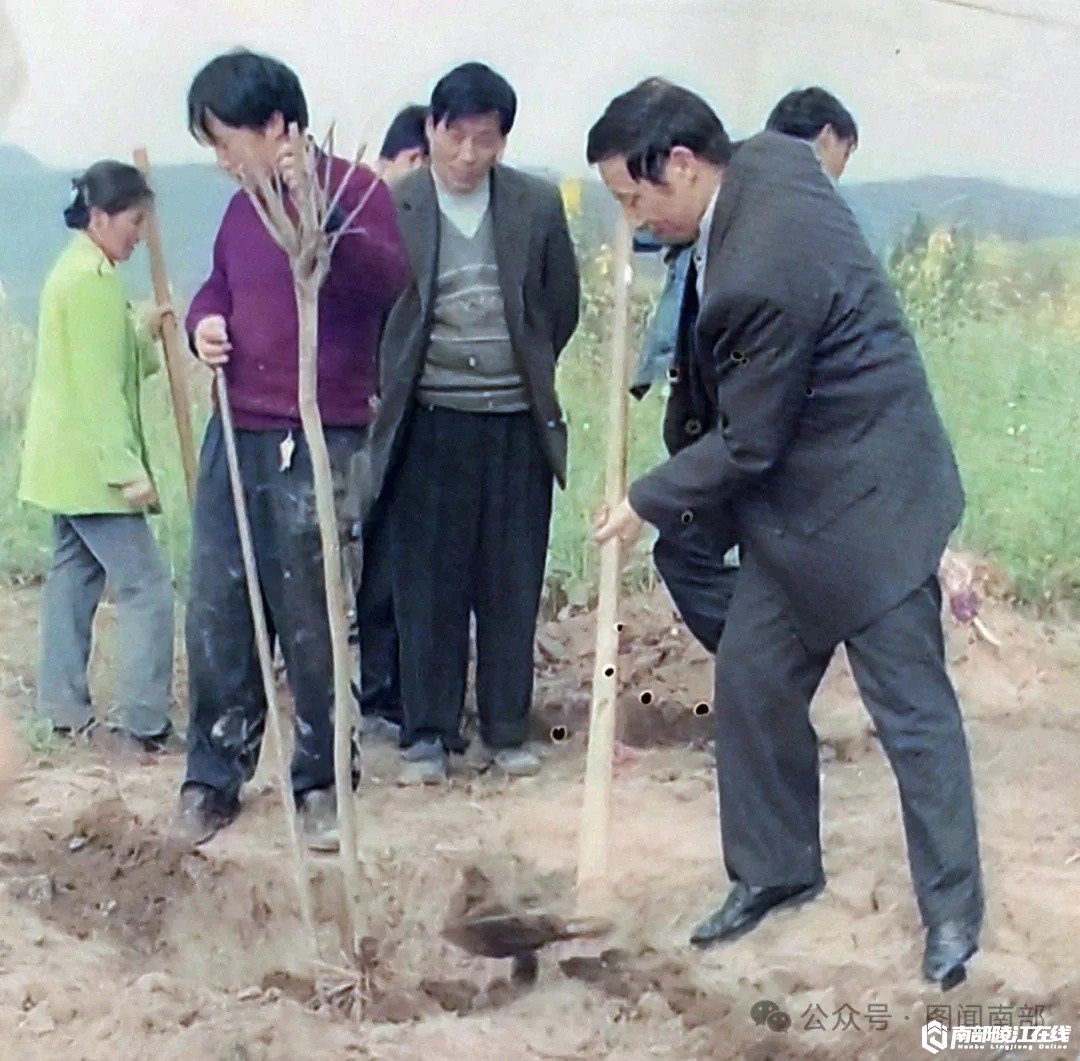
801 426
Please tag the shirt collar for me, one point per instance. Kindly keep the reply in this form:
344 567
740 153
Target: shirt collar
812 144
477 199
701 247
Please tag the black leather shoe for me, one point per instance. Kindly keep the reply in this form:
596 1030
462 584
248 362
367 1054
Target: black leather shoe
745 906
948 948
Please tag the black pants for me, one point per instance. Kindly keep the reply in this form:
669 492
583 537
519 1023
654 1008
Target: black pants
699 578
380 680
470 518
767 755
226 699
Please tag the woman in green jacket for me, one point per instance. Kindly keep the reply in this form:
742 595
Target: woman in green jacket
85 461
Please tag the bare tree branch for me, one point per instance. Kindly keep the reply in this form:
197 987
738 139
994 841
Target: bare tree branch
339 192
327 165
264 217
346 225
269 203
327 145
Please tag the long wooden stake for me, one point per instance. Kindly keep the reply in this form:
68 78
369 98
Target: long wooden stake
594 853
266 667
176 356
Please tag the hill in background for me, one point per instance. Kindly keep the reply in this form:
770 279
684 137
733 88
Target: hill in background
191 199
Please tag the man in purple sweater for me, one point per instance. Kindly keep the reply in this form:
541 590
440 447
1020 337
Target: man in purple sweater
244 319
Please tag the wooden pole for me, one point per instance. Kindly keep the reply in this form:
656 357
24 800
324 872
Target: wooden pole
594 853
266 668
176 356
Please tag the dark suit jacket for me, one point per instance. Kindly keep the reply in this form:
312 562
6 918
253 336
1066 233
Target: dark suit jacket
803 426
538 274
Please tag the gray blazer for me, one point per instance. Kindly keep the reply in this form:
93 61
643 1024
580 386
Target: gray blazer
541 288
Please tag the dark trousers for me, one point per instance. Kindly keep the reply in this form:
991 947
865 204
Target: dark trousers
226 699
700 579
767 754
380 680
470 518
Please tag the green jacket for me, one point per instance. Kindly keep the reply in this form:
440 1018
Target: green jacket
84 433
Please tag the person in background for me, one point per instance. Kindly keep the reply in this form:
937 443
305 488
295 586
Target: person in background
819 118
658 346
470 434
244 320
404 149
85 460
405 146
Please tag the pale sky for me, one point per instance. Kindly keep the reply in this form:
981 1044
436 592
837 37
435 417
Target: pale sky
936 85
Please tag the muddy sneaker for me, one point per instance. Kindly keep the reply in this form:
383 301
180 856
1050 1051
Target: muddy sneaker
84 733
199 817
424 763
517 762
318 820
118 740
377 728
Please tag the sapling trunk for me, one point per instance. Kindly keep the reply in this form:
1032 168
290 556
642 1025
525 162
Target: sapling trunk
337 605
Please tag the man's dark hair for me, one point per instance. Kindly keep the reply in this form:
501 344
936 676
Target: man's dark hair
471 90
244 90
110 186
807 111
647 122
406 132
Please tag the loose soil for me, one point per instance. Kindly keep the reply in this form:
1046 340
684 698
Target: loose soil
115 944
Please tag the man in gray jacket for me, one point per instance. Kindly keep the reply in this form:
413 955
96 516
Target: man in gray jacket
470 434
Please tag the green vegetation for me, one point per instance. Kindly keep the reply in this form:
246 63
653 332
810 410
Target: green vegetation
999 326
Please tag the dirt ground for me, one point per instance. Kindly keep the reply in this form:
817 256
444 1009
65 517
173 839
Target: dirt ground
115 946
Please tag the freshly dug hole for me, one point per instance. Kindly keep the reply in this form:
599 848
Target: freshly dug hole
644 719
212 921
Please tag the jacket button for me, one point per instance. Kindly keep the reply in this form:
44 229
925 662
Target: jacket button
688 517
693 428
673 375
472 362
